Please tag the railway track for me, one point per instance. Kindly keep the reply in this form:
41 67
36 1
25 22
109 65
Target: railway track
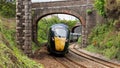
106 63
78 59
68 63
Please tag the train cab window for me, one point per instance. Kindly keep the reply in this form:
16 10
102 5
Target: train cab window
60 32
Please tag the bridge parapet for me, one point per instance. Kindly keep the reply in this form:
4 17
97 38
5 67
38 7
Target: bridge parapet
60 3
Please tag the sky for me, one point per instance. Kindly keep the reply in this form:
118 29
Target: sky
66 17
61 16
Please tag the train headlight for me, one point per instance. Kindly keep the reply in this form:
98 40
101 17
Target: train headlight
53 39
66 40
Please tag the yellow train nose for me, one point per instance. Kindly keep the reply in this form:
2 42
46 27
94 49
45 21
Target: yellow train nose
59 43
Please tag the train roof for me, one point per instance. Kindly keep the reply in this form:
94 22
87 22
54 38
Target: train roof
59 25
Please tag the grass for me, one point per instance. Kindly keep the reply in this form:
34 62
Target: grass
10 55
15 59
105 39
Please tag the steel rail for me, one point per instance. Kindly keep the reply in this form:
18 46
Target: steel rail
93 58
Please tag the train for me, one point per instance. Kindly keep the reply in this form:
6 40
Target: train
74 37
58 39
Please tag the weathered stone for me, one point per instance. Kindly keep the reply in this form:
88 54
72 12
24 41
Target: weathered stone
23 16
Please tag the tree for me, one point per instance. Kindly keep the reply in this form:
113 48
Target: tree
7 8
99 5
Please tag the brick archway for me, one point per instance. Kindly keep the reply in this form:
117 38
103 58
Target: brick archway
28 14
42 14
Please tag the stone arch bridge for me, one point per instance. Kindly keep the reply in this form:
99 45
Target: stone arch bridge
28 14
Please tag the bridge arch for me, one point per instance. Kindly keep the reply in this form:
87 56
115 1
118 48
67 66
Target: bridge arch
38 14
28 14
74 28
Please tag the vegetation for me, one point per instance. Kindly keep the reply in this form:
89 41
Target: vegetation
79 40
14 59
89 11
108 8
7 9
10 55
104 39
112 8
44 24
99 5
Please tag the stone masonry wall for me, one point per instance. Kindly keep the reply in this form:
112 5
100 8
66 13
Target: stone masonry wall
23 28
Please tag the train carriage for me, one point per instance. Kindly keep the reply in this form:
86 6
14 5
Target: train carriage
58 39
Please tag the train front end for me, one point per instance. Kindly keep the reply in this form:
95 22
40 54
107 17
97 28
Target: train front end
58 40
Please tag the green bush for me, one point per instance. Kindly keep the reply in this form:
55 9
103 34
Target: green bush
99 5
91 48
110 52
80 40
105 39
89 11
7 9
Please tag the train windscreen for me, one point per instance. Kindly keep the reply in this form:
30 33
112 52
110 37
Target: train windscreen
60 32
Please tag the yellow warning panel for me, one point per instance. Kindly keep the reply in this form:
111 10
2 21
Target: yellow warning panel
59 43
